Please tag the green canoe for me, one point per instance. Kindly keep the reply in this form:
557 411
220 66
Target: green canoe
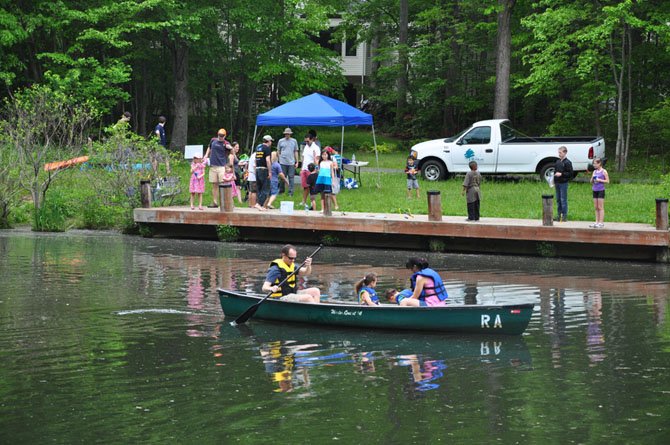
510 319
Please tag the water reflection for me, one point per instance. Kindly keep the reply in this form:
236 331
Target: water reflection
295 357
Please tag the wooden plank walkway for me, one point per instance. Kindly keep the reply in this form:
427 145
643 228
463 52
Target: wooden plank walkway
490 235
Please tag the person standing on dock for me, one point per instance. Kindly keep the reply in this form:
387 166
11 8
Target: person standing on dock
599 178
310 155
280 269
563 173
287 148
263 174
217 153
471 191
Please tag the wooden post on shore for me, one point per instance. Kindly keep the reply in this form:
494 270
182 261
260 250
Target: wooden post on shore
434 205
547 210
326 205
145 194
226 198
661 214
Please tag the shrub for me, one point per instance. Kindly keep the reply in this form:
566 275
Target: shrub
53 215
227 233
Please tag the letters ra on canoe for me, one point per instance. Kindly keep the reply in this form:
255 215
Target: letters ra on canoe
486 322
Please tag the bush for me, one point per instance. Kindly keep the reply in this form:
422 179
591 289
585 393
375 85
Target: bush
227 233
96 215
53 215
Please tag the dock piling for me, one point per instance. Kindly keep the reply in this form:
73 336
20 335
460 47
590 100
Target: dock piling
145 194
226 198
326 205
547 210
661 214
434 205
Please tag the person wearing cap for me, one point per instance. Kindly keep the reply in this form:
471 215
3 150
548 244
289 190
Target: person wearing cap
287 149
263 174
217 153
310 155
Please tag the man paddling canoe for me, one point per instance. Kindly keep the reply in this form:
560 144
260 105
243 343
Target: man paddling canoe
282 268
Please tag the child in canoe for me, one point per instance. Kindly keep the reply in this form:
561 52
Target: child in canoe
365 289
402 298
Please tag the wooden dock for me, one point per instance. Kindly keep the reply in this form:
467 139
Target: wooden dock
397 231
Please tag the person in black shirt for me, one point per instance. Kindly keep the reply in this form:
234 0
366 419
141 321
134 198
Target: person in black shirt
563 173
263 174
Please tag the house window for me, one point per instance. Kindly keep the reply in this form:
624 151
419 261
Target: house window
325 41
351 48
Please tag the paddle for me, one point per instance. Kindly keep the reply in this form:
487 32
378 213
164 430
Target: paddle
252 309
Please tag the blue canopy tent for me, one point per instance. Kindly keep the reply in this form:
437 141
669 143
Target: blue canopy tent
318 111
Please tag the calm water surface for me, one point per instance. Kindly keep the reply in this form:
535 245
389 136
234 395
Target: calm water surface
113 339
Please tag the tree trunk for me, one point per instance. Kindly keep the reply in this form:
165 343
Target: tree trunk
181 96
618 80
403 62
244 100
629 112
503 59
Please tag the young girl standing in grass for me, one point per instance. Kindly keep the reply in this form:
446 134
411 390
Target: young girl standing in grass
599 178
197 183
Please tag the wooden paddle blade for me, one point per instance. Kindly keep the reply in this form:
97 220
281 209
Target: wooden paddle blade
246 315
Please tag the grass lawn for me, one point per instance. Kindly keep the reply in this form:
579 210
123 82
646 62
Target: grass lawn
502 198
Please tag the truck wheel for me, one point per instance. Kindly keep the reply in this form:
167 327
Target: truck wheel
547 171
433 170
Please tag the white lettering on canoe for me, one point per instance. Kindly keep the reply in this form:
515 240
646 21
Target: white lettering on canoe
485 348
346 312
497 322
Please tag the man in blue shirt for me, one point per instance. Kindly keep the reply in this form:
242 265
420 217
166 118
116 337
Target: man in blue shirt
217 153
159 131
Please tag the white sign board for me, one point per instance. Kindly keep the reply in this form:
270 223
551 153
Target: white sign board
192 150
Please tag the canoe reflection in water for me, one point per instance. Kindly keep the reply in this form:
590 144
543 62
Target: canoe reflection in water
300 356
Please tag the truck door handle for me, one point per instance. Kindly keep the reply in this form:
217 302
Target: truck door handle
489 150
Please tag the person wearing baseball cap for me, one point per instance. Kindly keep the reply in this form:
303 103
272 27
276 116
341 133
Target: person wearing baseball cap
217 153
287 149
263 175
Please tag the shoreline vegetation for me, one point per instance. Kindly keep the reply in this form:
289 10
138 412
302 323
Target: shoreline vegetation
73 203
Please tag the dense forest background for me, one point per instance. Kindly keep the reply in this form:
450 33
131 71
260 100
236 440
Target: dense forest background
553 67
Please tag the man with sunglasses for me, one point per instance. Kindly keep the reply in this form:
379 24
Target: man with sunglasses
280 269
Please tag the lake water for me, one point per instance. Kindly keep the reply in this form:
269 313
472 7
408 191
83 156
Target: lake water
112 339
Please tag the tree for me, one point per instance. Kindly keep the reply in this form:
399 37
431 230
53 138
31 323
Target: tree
503 59
42 125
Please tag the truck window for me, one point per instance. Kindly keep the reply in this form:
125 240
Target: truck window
479 135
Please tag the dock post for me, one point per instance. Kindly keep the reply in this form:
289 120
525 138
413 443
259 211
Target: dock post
145 194
326 205
434 205
547 210
661 214
226 198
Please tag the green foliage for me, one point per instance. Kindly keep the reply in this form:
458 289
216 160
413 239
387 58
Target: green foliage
145 230
437 245
96 215
546 249
53 216
329 240
227 233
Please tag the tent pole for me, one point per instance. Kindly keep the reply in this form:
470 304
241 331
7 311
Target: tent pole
253 141
342 143
374 139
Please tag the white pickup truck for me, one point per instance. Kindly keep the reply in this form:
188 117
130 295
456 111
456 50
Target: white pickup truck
499 149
